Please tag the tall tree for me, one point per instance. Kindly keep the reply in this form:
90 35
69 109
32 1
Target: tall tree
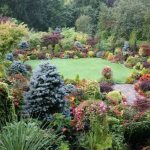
40 14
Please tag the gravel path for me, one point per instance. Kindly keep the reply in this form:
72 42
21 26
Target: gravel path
127 90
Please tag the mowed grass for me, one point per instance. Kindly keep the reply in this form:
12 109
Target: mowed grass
86 68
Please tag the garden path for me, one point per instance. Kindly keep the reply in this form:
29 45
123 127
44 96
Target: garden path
127 90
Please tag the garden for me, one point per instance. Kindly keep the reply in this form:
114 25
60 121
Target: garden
76 84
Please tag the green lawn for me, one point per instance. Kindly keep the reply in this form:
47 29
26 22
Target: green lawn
87 68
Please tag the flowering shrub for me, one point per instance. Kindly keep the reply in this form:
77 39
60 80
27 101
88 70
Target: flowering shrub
87 108
143 86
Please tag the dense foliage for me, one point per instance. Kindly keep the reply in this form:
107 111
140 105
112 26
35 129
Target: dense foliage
18 67
46 94
29 137
75 114
115 18
6 104
10 34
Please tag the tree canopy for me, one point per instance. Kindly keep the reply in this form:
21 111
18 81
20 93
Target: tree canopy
104 17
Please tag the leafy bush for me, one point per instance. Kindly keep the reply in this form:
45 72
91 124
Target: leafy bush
10 34
126 46
83 24
35 39
110 57
64 146
105 87
10 57
137 132
46 94
23 45
52 39
107 75
118 140
91 90
41 56
27 136
100 54
131 61
91 54
6 104
2 71
107 72
133 77
144 50
85 109
143 85
146 64
115 96
142 104
18 67
33 57
139 66
69 36
98 137
19 84
92 41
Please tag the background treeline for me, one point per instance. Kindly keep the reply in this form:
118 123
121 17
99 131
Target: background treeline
105 18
